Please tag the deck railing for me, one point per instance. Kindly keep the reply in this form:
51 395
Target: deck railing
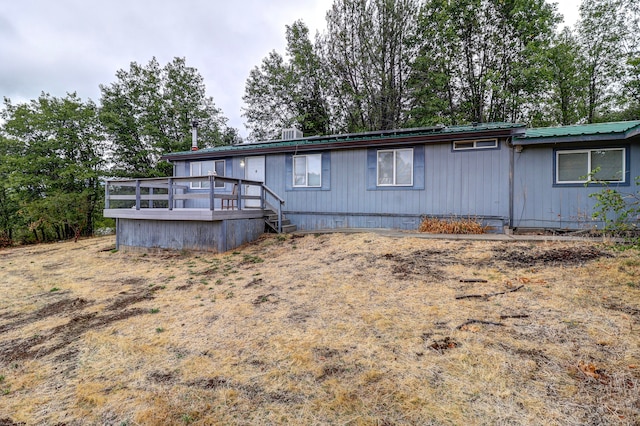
173 193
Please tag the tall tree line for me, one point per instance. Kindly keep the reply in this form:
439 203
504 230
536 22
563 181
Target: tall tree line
384 64
55 152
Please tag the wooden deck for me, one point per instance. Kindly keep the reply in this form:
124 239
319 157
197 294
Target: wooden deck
190 213
190 198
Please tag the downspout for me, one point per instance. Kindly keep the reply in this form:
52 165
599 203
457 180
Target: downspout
511 185
117 234
509 144
512 149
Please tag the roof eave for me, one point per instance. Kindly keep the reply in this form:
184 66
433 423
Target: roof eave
351 144
635 131
569 139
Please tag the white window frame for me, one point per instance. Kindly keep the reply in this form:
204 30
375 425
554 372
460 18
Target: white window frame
198 172
589 167
395 174
474 143
306 168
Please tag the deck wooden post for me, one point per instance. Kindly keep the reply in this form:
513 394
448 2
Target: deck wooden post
263 197
212 196
137 194
170 190
280 218
150 198
107 194
239 194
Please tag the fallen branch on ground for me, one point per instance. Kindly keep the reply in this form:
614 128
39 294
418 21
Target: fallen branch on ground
475 321
514 316
487 295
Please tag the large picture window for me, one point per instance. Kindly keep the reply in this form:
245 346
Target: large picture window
575 166
307 170
395 167
205 168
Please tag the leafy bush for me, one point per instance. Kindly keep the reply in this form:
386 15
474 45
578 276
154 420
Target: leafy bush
618 210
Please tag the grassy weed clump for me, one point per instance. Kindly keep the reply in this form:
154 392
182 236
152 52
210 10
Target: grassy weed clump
456 225
248 258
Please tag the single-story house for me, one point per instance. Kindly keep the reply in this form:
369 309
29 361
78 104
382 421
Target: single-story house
503 174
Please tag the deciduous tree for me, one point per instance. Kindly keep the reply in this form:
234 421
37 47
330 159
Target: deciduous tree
149 111
52 162
601 32
288 92
565 82
479 60
367 56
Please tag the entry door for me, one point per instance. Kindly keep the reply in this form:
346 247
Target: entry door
253 170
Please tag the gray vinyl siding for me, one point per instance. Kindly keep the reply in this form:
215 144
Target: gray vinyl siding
540 204
452 183
183 168
456 183
467 183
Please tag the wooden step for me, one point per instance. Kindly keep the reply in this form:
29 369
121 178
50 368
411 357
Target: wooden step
287 229
271 219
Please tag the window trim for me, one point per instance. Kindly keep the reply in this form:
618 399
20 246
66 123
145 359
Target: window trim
395 176
495 145
325 177
558 152
198 185
306 174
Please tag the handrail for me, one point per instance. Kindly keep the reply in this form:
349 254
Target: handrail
200 178
270 191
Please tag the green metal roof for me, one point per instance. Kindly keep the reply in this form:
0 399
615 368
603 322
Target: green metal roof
580 132
359 139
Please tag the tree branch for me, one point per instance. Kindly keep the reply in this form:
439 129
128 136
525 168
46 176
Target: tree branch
487 295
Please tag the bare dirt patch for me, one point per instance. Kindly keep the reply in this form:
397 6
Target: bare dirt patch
531 256
327 329
61 307
61 336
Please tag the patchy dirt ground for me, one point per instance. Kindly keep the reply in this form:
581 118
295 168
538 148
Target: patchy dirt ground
328 329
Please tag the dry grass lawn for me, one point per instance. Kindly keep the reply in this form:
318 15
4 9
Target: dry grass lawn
321 329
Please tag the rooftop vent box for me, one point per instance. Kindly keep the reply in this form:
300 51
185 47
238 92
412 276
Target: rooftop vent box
290 134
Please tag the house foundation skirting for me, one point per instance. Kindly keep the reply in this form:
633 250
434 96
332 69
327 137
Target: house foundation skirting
334 220
213 236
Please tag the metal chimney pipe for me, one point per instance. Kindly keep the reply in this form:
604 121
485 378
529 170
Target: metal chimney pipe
194 135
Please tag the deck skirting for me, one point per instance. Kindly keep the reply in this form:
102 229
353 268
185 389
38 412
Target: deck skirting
188 234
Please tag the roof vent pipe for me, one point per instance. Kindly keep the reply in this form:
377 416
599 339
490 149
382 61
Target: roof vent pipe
194 135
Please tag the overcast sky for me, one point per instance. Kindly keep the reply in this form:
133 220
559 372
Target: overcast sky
60 46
